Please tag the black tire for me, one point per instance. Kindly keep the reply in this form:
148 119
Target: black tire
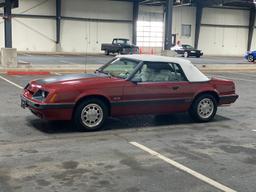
80 109
198 56
106 52
250 58
195 111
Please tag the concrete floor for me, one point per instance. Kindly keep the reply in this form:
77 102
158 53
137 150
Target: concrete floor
102 59
41 156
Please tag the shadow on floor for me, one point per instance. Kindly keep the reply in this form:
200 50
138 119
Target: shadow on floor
133 122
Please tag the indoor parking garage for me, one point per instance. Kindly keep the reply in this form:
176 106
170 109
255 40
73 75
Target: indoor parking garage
127 95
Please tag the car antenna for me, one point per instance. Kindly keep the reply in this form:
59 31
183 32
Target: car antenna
86 49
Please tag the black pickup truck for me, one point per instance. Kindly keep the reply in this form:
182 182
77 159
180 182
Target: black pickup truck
120 46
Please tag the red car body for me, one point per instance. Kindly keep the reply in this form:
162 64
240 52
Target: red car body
123 97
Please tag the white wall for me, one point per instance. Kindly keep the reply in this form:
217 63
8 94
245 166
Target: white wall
186 16
85 36
78 36
229 41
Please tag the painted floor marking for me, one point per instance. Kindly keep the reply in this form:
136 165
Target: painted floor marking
16 85
234 78
66 62
184 168
55 73
245 74
254 130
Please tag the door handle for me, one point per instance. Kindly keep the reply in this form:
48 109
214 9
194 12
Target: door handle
175 88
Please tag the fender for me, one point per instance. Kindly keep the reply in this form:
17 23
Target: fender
204 90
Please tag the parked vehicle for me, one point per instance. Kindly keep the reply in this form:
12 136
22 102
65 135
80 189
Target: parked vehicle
120 46
250 56
187 51
129 85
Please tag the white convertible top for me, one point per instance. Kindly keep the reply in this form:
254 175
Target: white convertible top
192 73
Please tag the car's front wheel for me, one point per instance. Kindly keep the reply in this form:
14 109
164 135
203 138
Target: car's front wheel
90 114
250 58
204 108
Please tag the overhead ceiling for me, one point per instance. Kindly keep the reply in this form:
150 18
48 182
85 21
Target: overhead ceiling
207 3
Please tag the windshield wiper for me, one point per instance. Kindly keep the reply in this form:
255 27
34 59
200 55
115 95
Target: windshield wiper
104 72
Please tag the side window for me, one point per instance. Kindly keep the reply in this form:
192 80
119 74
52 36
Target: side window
156 72
180 76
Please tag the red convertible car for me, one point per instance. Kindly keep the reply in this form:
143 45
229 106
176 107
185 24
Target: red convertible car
129 85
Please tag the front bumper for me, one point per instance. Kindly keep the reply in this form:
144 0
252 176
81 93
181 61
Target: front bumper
228 99
53 111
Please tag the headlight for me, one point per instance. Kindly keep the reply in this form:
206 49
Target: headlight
40 95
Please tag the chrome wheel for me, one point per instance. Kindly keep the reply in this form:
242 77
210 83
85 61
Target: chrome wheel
205 108
250 58
92 115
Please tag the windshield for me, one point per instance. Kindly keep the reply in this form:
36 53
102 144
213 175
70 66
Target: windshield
120 68
187 47
122 41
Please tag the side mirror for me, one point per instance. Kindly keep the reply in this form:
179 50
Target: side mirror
136 80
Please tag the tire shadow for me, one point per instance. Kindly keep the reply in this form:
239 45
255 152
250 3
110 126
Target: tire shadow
133 122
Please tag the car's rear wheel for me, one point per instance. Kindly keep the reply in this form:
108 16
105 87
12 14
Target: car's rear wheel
90 114
204 108
250 58
106 52
186 54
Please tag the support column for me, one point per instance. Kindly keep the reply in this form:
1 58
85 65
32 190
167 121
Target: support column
134 21
199 12
58 21
251 27
8 24
168 24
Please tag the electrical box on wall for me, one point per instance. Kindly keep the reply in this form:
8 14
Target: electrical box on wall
2 2
15 3
180 2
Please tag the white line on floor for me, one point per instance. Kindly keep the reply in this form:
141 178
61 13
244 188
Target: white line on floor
233 78
184 168
254 130
57 73
245 74
66 62
16 85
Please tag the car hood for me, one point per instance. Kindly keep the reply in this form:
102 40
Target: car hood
65 78
78 80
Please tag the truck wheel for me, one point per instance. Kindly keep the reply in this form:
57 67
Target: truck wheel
90 115
250 58
204 108
106 52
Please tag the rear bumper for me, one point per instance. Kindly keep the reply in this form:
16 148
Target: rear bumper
48 111
228 99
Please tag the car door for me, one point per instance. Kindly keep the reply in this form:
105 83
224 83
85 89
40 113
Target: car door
157 88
